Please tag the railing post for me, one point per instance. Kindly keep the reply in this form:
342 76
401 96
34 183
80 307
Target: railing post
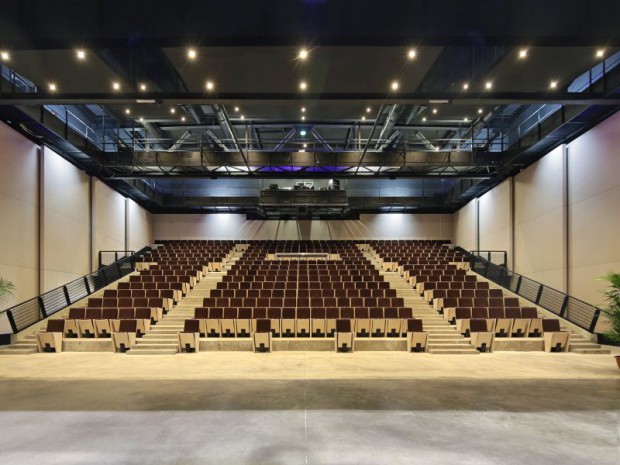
67 298
539 295
518 288
100 259
597 313
9 315
42 307
564 306
88 291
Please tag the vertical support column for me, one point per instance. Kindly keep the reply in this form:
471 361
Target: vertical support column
477 222
40 222
91 224
510 263
565 235
127 224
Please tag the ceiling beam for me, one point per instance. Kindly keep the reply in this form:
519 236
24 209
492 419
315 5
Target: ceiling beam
407 98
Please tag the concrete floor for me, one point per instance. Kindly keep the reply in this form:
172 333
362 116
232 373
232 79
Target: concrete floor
309 408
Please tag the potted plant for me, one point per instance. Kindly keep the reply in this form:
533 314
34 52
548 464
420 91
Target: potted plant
612 296
6 289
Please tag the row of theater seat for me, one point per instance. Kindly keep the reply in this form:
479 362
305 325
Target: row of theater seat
303 293
301 322
343 331
380 302
301 284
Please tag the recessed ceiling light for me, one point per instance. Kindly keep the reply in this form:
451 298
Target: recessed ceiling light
242 117
488 85
173 111
303 118
142 87
363 118
553 84
394 85
303 85
303 109
210 85
52 87
434 111
303 54
116 86
305 146
127 111
479 111
368 109
302 133
424 118
523 53
465 86
466 119
141 119
80 54
183 118
5 55
411 54
236 109
600 53
191 54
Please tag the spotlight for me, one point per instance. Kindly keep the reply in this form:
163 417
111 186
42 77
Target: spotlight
553 84
80 54
600 53
127 111
183 118
303 109
52 87
465 86
236 109
411 54
242 117
303 54
363 118
116 86
173 111
395 85
210 85
305 146
303 85
368 109
303 118
5 56
424 119
488 85
466 120
191 54
479 111
302 133
142 87
523 53
141 119
434 111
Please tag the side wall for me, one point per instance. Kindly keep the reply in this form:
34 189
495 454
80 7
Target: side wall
46 207
232 226
565 221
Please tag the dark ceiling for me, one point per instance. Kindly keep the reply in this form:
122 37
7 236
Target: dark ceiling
470 109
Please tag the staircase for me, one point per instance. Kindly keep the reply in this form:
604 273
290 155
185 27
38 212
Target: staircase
442 337
162 339
26 346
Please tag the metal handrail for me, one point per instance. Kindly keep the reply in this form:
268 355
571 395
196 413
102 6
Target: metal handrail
30 312
491 255
115 254
576 311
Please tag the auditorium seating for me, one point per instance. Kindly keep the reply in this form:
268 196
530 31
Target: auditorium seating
50 340
189 337
417 338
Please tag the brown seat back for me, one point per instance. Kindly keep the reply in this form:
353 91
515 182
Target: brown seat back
529 312
477 325
55 326
77 313
414 325
496 313
126 313
191 326
143 313
127 326
202 313
263 325
551 325
343 325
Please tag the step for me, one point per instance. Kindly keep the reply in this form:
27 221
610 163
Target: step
452 351
590 351
139 351
19 351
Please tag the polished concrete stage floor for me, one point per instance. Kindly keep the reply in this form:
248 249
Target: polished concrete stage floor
310 408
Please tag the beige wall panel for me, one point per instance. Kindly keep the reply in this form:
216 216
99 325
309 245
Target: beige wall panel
65 230
594 161
465 226
140 228
66 188
224 226
495 221
26 281
109 220
18 159
538 188
539 248
18 235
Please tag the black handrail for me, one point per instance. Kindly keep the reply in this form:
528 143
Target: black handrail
574 310
497 257
30 312
107 257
